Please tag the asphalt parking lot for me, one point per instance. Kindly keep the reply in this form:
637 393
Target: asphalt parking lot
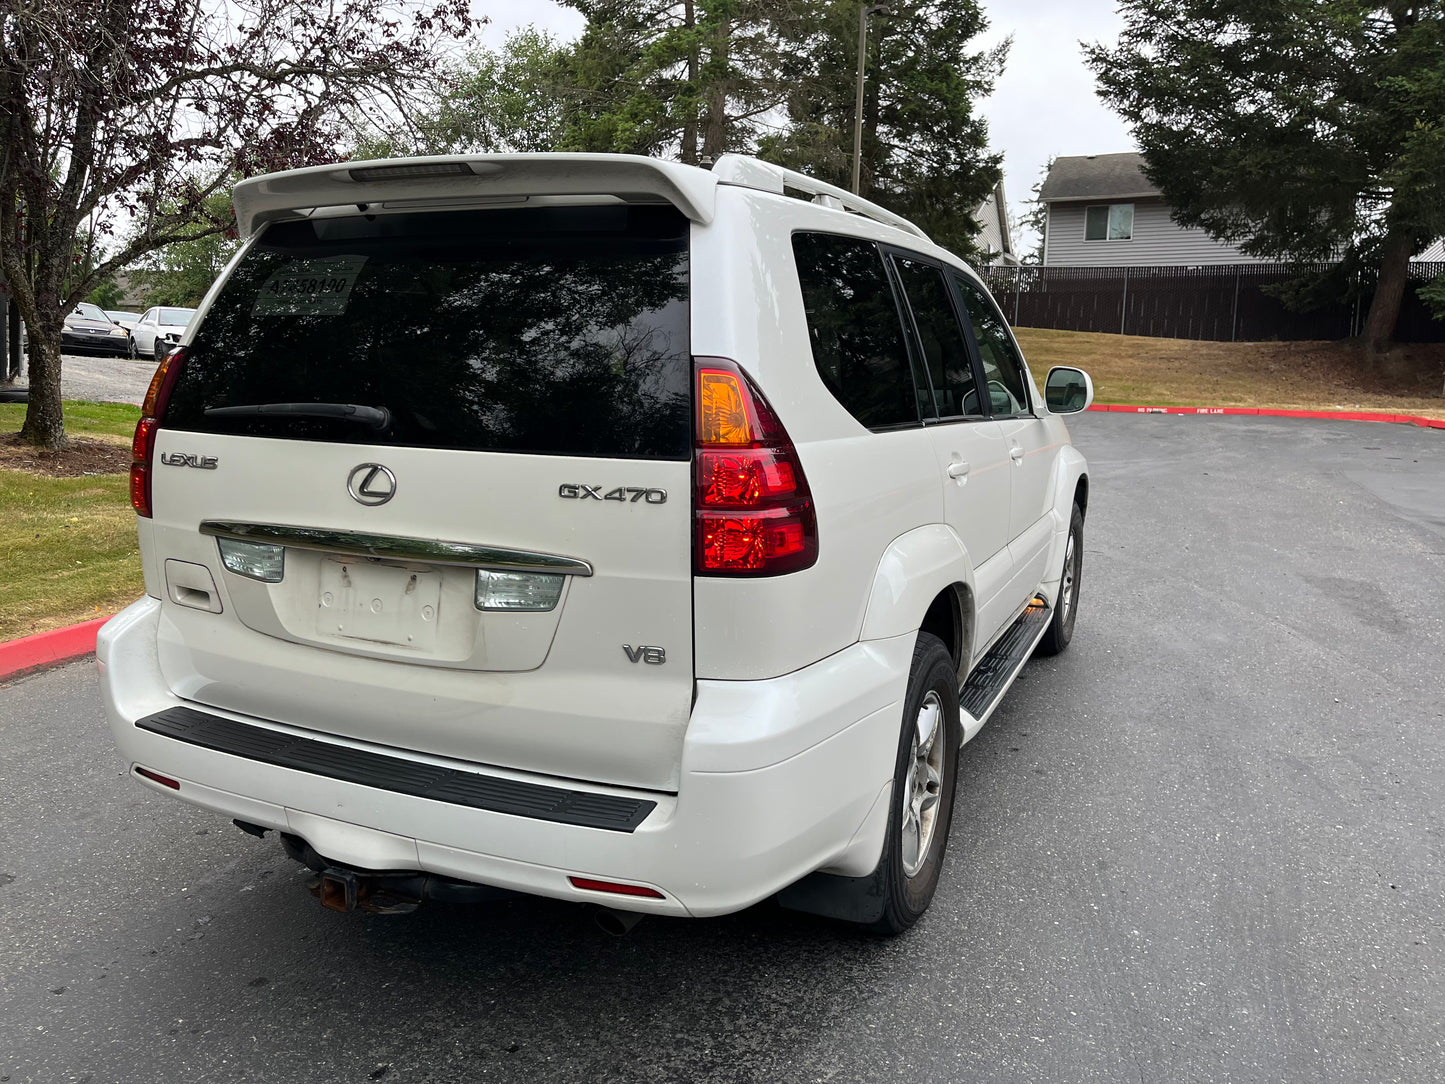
1204 844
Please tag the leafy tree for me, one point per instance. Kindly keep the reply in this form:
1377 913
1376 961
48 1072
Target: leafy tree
1302 130
925 150
503 100
122 111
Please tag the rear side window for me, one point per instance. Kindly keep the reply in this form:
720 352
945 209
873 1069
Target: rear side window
945 351
855 330
560 330
1002 366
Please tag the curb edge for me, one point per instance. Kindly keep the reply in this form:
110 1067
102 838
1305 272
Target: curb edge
1267 412
47 649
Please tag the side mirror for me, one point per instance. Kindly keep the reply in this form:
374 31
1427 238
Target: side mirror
1068 391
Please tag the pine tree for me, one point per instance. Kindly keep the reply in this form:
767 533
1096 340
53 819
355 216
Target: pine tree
925 150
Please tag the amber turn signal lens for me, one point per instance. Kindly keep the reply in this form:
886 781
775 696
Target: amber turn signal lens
722 410
153 393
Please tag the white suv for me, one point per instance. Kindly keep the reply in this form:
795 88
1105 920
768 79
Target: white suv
590 526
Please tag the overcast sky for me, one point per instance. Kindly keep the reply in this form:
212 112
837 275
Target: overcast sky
1044 105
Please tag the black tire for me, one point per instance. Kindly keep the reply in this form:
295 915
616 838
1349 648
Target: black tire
131 350
159 350
1066 611
932 683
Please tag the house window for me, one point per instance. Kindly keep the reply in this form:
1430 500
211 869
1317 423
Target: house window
1109 222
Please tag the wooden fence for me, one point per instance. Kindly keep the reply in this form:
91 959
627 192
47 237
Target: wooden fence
1225 303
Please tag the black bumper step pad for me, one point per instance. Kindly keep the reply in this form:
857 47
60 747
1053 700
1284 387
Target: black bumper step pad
988 677
615 814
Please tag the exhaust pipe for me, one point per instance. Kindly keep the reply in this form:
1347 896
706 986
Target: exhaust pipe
617 923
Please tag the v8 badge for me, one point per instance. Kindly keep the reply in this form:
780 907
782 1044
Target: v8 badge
647 653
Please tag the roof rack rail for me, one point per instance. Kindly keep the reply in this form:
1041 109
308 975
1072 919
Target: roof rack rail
746 172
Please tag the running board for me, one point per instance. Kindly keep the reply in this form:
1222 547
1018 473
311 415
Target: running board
995 672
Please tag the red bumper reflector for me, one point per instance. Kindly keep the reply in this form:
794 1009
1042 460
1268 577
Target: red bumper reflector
156 777
616 889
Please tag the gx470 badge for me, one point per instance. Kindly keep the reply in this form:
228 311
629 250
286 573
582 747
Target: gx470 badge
576 491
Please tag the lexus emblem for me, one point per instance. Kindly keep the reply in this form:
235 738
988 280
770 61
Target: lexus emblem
371 484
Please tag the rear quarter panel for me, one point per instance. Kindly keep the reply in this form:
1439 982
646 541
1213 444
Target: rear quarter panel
868 488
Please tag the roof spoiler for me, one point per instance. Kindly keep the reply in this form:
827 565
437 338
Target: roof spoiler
458 178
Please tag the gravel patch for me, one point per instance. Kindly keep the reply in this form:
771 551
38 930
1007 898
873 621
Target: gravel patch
105 380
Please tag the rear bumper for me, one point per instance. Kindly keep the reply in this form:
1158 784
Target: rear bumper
779 778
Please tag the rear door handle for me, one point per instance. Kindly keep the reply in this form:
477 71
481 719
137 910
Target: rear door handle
1016 454
958 469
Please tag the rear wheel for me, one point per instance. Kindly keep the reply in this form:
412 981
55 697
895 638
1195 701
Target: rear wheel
1066 609
923 785
159 350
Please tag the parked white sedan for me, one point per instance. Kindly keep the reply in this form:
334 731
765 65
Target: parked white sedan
158 330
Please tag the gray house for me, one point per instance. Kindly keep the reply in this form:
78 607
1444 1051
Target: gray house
1103 212
995 236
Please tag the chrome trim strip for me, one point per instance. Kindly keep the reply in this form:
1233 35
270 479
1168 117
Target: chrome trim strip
390 547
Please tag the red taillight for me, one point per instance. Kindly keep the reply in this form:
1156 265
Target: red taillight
754 513
142 447
616 888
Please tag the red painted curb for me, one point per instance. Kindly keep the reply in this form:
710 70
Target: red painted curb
48 648
1337 415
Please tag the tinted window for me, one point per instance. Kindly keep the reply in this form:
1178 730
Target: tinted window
945 351
854 328
557 330
1002 367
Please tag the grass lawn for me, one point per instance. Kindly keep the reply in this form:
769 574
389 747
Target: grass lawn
67 550
105 421
67 545
1181 372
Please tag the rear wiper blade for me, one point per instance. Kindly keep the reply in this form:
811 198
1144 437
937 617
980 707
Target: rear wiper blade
369 416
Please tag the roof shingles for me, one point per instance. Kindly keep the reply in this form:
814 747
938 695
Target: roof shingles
1097 176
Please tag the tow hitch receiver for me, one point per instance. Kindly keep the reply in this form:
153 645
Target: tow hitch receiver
397 892
336 889
347 890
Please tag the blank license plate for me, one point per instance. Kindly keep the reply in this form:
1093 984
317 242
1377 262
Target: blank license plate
380 603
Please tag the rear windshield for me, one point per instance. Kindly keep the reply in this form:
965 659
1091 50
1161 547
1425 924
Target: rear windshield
559 330
176 316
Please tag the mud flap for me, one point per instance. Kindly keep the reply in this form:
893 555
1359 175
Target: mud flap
851 899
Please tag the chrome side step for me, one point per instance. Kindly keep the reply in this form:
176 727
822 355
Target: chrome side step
995 672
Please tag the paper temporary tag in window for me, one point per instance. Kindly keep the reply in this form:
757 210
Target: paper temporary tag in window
315 287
